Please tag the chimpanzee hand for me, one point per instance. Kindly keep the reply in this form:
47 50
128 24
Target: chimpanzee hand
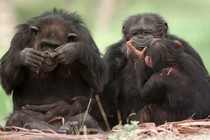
135 52
66 53
78 121
59 108
32 58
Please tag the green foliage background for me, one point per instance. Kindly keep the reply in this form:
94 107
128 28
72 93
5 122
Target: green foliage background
189 19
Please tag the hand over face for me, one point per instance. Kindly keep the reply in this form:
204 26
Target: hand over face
65 54
32 58
131 50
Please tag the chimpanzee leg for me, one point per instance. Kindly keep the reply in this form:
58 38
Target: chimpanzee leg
28 119
79 121
153 113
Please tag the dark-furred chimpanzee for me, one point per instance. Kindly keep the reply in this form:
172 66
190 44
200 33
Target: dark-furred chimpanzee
178 87
126 79
52 59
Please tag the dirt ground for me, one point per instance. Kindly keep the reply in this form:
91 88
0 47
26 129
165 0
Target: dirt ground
187 130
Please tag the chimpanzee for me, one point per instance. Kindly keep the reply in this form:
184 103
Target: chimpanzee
178 87
52 58
125 79
60 116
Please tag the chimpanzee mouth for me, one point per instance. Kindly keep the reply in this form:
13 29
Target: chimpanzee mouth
48 63
141 43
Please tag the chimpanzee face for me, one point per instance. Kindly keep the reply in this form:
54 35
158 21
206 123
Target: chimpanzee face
140 43
50 36
143 27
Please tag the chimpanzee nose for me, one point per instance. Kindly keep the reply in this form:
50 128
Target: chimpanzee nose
141 36
51 50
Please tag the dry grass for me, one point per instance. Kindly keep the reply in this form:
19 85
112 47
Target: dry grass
188 129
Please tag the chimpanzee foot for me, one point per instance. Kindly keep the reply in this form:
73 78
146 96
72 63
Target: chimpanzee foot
69 127
42 126
58 118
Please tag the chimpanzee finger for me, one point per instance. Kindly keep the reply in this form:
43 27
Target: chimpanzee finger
132 48
56 53
135 51
68 127
30 62
37 57
61 59
59 50
33 62
43 126
39 53
60 47
39 108
141 54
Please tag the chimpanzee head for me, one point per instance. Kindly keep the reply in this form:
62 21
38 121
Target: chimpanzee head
163 53
53 29
144 27
50 30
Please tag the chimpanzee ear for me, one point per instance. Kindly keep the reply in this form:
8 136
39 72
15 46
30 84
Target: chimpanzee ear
34 29
177 43
124 30
148 61
165 27
72 37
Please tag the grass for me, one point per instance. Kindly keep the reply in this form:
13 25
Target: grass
128 132
5 106
6 101
186 129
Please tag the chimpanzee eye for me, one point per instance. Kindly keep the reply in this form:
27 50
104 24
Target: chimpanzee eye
134 34
44 46
72 37
147 32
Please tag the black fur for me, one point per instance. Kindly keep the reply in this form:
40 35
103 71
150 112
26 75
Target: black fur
126 76
177 89
81 73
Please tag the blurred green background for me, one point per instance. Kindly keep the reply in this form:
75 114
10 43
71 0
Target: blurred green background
189 19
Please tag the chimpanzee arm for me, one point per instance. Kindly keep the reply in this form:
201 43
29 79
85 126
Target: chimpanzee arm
14 63
92 68
11 72
87 60
115 59
154 88
20 54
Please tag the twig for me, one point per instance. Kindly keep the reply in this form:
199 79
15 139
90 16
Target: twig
86 112
102 112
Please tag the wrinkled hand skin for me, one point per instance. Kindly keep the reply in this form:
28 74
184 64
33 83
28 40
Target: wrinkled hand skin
131 50
50 110
32 58
73 114
37 60
65 54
